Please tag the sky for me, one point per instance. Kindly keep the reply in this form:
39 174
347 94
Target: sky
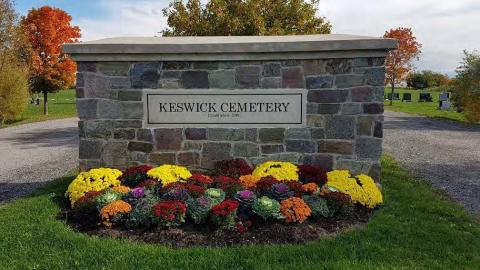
444 27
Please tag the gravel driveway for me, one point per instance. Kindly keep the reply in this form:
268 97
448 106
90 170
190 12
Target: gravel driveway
33 154
446 154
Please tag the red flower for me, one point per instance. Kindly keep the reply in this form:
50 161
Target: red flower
309 173
227 184
175 185
266 183
134 175
195 190
169 209
225 208
232 168
148 183
200 179
296 187
240 228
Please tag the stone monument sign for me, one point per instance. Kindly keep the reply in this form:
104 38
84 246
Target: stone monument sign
314 99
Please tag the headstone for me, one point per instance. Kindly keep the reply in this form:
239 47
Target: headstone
443 96
407 97
445 105
425 97
196 100
395 96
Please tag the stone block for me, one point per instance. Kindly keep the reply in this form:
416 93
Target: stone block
81 128
215 151
115 153
362 94
194 79
319 82
125 95
292 77
145 75
113 68
375 172
378 130
171 74
373 108
288 157
176 65
98 129
80 79
368 148
226 134
271 82
87 108
196 133
312 108
209 65
272 148
378 94
324 161
79 92
298 133
161 158
132 110
271 135
96 86
188 158
314 67
119 83
327 96
245 149
251 134
354 166
168 138
339 127
335 147
108 109
222 79
328 108
272 70
351 108
86 66
127 123
317 133
300 146
314 120
169 84
375 76
124 134
144 135
90 149
247 76
364 125
192 145
348 80
140 146
139 157
338 66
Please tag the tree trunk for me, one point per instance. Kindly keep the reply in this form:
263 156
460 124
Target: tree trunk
45 103
393 89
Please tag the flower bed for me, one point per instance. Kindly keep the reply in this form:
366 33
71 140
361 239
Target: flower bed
276 202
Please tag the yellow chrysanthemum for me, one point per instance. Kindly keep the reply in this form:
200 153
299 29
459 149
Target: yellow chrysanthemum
167 174
283 171
363 191
93 180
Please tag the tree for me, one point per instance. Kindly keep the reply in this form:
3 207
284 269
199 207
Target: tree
13 76
466 86
426 79
50 70
244 18
398 62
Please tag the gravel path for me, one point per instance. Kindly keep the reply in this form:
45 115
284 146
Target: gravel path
33 154
446 154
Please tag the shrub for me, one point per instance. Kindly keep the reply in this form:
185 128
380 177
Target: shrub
13 92
170 213
167 174
198 209
361 189
93 180
232 168
318 206
295 210
114 212
133 176
282 171
267 208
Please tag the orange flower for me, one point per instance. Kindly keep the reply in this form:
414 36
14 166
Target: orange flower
111 210
121 189
248 181
310 188
295 210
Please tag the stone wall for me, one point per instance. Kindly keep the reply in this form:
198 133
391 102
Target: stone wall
344 113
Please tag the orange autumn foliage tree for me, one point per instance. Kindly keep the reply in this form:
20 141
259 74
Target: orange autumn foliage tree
398 62
50 70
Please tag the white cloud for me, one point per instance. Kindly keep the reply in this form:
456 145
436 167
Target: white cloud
444 27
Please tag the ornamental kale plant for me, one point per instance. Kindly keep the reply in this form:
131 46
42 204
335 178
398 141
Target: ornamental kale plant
246 199
198 209
177 194
318 206
280 192
217 195
267 208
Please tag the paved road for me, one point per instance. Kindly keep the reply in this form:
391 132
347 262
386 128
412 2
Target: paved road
446 154
33 154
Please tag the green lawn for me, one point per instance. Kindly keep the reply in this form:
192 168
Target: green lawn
429 109
60 105
417 228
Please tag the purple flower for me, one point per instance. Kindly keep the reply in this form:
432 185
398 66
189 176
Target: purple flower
282 187
138 192
246 194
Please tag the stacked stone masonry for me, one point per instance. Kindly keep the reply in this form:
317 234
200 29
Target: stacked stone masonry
344 113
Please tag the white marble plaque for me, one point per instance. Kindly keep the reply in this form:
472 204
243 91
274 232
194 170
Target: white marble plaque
225 108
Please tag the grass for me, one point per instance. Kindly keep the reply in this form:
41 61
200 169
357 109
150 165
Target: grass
60 105
429 109
416 228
